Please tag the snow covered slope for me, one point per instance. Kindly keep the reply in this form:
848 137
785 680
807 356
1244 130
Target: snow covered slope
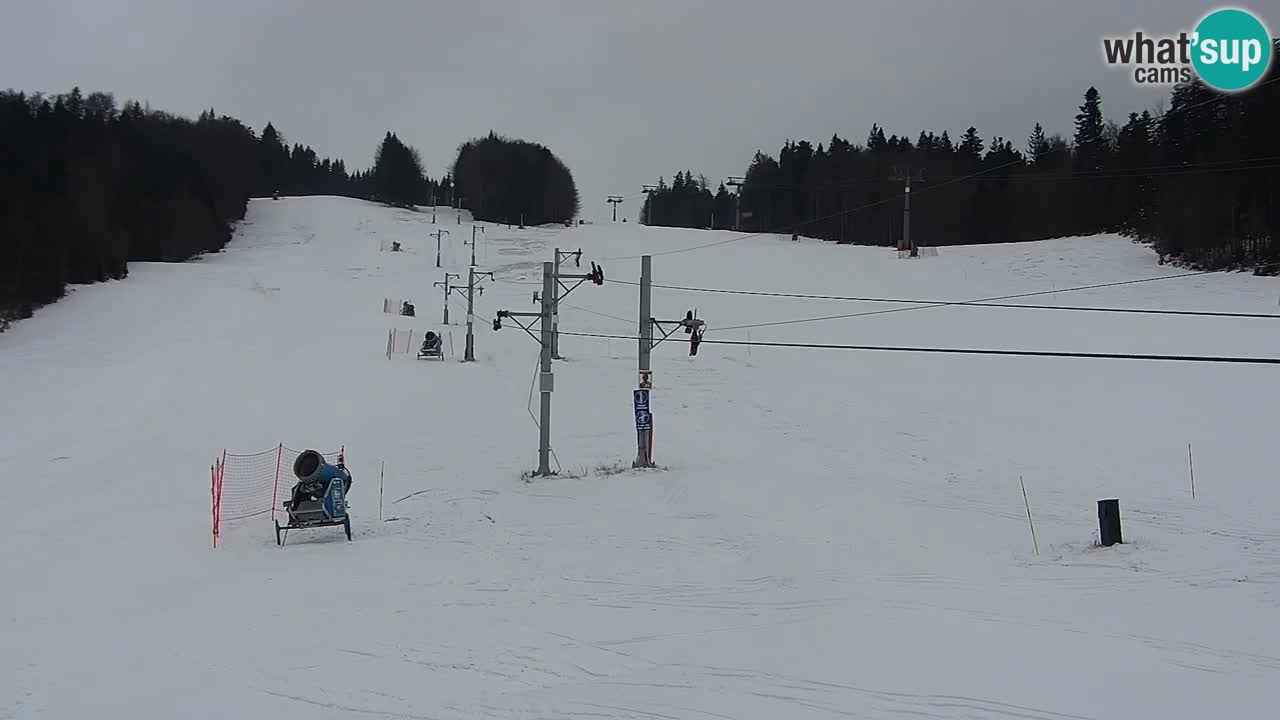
833 534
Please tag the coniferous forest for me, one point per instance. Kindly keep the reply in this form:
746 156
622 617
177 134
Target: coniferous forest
87 187
1200 182
514 181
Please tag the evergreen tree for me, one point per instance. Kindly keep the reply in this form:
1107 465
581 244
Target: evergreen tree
398 178
273 158
1134 152
1090 142
971 144
1037 145
1094 200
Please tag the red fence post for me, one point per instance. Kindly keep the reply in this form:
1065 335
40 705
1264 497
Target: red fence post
215 489
213 500
222 474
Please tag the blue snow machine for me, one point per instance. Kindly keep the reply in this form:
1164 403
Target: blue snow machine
319 499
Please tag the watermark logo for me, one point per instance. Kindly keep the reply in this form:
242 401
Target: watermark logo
1229 49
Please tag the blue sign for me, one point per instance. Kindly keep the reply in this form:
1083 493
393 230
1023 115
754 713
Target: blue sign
644 421
641 398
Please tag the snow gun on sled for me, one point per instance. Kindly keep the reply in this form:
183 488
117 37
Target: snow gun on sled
319 499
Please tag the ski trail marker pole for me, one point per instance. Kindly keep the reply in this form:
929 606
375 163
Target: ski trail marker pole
1192 467
1026 502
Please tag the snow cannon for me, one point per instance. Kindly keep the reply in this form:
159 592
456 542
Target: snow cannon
311 469
319 498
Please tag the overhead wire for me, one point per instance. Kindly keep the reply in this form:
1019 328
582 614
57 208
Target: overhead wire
603 315
978 302
984 303
914 304
970 351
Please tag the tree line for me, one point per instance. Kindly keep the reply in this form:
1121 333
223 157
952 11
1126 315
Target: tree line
1198 181
688 202
87 186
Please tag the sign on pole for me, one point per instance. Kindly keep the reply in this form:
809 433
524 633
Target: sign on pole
644 420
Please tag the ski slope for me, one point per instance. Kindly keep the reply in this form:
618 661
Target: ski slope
832 533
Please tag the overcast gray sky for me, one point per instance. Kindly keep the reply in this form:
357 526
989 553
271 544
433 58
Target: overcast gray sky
622 91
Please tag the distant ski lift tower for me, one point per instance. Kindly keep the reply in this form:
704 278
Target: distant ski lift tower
448 288
437 234
614 200
650 190
905 174
473 242
736 182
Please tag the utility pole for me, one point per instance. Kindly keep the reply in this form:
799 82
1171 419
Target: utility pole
447 290
457 199
545 377
555 300
471 312
438 233
651 191
546 382
473 243
433 207
736 182
692 326
644 427
906 176
614 200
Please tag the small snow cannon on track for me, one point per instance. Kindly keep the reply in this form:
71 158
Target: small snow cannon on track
432 347
319 499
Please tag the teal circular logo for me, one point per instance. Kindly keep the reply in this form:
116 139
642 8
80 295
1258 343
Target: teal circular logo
1231 49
